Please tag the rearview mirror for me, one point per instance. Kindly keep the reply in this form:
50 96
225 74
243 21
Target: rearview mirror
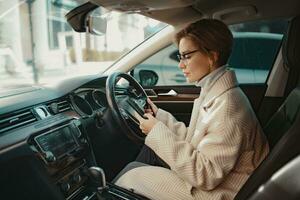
77 16
96 25
148 78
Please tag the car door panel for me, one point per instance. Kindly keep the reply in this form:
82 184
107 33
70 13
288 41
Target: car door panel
181 104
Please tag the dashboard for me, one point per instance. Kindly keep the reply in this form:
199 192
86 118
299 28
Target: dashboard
50 136
86 101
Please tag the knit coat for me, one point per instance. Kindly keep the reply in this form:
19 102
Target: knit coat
213 157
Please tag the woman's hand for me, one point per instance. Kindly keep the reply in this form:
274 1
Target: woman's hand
153 108
147 124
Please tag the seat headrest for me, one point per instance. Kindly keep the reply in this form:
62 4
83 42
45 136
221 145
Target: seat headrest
284 118
292 105
291 44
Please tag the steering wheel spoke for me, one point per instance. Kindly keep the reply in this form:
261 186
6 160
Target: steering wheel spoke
133 120
126 103
124 114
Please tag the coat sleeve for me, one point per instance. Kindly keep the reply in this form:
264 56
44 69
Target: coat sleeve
177 128
215 156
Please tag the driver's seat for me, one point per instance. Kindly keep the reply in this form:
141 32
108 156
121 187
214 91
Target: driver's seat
283 128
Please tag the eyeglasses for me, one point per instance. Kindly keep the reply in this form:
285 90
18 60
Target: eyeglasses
184 57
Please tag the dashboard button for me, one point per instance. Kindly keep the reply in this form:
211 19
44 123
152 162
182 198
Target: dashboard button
77 178
49 156
65 187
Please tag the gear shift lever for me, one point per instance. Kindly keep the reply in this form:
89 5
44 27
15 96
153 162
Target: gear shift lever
98 178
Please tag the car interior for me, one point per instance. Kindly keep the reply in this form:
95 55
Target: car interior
69 140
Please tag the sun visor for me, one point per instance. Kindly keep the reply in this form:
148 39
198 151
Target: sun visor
241 13
142 5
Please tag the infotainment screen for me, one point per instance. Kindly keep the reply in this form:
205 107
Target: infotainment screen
58 142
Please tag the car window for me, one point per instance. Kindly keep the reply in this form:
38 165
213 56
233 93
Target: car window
38 46
164 65
255 48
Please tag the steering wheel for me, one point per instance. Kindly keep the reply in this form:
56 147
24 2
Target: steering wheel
125 103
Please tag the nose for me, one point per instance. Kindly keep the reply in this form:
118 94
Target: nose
181 64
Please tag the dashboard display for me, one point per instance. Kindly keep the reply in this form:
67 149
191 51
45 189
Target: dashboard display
58 142
81 105
100 98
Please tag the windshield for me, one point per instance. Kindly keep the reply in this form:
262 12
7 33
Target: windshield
37 45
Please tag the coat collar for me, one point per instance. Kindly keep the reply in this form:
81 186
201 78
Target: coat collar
225 82
211 77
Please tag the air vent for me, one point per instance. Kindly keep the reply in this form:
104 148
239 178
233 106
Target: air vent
60 106
63 106
15 120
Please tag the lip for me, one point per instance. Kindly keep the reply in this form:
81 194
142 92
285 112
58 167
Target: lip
186 73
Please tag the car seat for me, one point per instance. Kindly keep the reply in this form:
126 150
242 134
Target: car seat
283 129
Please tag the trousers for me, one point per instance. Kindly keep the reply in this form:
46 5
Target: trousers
146 157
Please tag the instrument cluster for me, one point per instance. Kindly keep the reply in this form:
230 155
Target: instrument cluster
86 101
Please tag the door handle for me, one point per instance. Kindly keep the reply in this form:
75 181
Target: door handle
170 93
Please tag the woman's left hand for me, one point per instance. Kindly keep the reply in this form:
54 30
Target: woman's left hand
147 124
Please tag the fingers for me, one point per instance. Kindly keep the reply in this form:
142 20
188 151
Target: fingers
147 123
149 101
148 116
143 122
143 131
142 126
138 117
153 106
149 111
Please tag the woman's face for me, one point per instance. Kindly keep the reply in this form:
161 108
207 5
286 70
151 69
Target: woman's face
194 64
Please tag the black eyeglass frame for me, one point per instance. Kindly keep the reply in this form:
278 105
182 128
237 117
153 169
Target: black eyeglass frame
183 56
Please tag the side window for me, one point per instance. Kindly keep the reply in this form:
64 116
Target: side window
254 51
164 64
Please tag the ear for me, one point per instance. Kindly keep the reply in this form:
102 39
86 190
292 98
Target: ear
214 57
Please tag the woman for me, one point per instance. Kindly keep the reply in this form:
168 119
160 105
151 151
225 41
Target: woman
224 143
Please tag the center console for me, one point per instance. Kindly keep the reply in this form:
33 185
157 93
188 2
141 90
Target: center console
66 154
59 142
64 149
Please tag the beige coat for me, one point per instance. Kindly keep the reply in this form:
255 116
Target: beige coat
213 157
